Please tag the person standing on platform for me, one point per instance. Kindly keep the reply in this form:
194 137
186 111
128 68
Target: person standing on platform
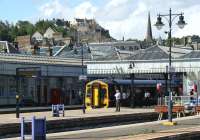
117 97
147 98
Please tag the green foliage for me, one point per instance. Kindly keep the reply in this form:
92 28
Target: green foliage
62 30
8 32
106 33
177 41
42 25
25 28
4 31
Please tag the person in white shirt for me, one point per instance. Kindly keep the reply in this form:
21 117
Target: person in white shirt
117 97
147 98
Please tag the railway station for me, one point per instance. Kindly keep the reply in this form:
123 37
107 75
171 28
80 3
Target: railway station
149 68
142 71
90 70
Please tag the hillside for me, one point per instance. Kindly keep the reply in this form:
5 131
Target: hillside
92 32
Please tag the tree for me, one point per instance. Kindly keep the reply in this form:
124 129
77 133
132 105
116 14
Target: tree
42 25
4 31
25 28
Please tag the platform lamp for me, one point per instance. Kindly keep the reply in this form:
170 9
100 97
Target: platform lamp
159 24
17 106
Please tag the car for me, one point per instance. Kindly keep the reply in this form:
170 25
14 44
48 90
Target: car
190 106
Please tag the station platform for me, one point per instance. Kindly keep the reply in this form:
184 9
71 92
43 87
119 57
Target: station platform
72 114
76 118
6 110
186 127
152 130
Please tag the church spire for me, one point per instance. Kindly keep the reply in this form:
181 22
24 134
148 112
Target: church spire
149 30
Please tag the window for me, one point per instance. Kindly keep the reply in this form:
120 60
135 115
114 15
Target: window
89 93
130 48
122 47
12 86
136 47
1 91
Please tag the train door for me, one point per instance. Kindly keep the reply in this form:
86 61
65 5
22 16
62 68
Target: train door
99 95
88 97
104 98
95 97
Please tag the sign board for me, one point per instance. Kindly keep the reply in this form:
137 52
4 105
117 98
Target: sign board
28 71
82 77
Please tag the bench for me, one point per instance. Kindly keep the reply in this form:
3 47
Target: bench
161 109
178 109
164 109
197 110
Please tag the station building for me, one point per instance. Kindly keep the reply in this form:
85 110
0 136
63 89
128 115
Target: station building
39 80
37 77
152 64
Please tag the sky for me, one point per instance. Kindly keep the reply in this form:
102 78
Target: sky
126 18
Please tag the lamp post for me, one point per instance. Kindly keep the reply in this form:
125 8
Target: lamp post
82 77
82 72
132 76
17 106
17 94
159 24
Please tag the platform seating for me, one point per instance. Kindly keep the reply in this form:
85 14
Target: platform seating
178 109
161 109
164 109
197 110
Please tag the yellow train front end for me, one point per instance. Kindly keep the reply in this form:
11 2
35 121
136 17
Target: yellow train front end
97 95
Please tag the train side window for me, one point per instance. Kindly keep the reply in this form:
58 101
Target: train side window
103 93
89 93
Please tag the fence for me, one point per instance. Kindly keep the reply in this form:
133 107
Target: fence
182 100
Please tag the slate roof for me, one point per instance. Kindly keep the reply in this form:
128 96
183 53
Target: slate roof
154 52
192 54
177 51
45 50
12 49
6 45
75 52
160 52
103 51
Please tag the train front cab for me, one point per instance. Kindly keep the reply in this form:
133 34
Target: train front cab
96 95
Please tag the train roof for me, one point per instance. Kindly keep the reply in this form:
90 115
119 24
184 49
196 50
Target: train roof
128 81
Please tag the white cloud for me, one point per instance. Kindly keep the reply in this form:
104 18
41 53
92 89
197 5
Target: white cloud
127 17
85 9
192 15
55 9
130 24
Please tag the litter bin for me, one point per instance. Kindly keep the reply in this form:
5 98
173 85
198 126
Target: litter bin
57 110
38 128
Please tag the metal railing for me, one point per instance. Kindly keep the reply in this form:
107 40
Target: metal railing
179 100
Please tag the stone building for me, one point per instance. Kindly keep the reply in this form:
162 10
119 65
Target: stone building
24 42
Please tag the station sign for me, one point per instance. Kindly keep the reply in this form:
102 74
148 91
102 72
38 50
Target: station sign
82 77
28 72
